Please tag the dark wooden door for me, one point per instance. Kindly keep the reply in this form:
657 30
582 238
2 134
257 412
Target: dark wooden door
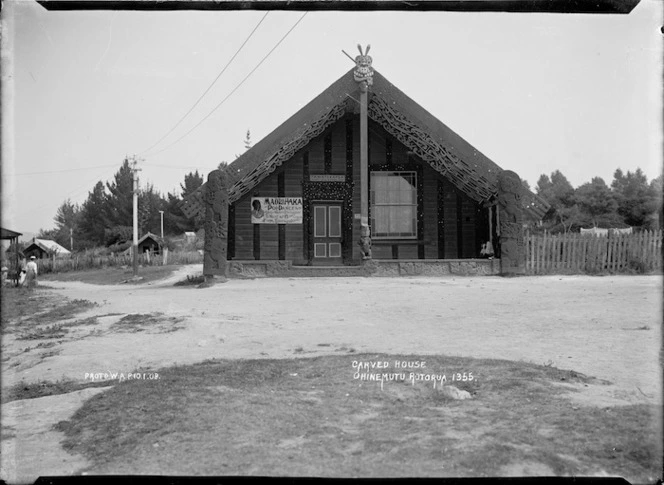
326 233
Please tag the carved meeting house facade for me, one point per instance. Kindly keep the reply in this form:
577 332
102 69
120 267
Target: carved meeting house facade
414 212
429 194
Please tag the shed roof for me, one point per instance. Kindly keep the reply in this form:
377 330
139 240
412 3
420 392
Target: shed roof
154 237
8 234
48 246
434 142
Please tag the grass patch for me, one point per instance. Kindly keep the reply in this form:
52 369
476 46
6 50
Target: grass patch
114 276
56 331
18 303
23 390
62 311
38 307
311 417
139 322
191 281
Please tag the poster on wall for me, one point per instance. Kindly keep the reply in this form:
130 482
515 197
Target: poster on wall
276 210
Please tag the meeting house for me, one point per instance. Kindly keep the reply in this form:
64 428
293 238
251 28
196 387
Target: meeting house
363 179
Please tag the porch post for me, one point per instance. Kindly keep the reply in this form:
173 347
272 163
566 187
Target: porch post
363 74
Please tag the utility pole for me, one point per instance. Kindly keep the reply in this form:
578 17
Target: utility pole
162 224
71 239
134 249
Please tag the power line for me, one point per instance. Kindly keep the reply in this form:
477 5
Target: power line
81 188
183 167
209 87
61 171
236 87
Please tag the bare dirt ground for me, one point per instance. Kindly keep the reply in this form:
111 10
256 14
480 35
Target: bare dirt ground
607 327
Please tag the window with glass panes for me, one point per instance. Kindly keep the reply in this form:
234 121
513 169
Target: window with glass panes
394 205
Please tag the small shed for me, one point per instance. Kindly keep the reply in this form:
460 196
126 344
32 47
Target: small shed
45 248
150 243
12 237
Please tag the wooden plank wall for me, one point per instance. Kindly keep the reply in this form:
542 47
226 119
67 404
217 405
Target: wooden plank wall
468 239
244 229
430 202
450 226
269 233
293 182
460 213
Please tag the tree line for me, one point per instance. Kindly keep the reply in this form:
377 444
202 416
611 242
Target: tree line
106 216
630 201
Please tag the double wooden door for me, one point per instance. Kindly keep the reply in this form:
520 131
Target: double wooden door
326 233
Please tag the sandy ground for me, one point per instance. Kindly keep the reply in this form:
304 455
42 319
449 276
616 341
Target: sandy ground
608 327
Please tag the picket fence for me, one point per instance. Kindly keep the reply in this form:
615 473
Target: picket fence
84 261
576 253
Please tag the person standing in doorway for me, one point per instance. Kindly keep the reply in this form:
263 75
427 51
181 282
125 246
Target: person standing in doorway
31 273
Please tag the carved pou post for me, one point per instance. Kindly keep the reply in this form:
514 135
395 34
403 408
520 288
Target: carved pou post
216 225
512 254
363 75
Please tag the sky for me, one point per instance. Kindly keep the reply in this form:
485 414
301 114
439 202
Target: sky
534 92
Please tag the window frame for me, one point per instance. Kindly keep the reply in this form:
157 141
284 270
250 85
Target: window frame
413 204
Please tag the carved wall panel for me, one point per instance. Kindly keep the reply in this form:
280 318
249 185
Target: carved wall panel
512 251
216 224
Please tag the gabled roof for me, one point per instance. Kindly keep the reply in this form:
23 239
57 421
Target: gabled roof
8 234
466 167
48 246
154 237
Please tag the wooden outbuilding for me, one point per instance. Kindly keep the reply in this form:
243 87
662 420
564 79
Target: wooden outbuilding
45 248
150 243
12 266
361 173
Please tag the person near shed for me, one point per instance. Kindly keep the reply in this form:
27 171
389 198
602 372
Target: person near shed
5 272
31 273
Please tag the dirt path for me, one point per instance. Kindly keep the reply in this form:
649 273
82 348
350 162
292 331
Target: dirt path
607 327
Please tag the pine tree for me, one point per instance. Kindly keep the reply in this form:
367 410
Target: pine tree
633 196
93 220
597 204
119 207
559 193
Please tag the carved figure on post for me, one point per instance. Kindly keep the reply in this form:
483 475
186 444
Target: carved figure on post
365 242
363 71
